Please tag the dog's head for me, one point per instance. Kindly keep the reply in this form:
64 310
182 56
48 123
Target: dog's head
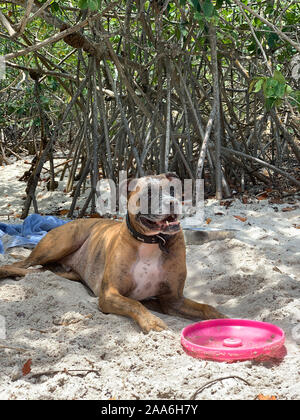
154 204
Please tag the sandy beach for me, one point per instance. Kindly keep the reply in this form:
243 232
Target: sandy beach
76 352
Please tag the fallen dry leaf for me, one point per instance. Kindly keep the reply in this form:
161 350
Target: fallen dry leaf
262 196
242 219
208 220
275 200
27 367
297 226
289 209
262 397
63 212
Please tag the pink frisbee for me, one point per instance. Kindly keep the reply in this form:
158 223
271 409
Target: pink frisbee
229 340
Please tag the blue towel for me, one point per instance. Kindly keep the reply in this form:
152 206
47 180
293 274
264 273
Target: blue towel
29 233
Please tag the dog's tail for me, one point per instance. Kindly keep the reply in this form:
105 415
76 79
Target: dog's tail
199 237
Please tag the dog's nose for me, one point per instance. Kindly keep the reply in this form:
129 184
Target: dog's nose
174 207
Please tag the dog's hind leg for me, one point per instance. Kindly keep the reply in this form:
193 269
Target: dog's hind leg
59 271
12 271
58 243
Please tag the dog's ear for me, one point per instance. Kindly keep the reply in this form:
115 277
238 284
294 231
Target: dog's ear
126 187
170 175
149 172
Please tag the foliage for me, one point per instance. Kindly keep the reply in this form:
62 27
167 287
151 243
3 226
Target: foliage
90 4
150 57
275 89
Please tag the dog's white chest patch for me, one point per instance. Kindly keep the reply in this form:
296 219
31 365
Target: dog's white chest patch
147 272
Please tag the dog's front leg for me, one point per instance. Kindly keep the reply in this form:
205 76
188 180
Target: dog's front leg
111 301
190 309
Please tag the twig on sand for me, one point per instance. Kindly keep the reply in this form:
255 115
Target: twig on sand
67 371
214 381
14 348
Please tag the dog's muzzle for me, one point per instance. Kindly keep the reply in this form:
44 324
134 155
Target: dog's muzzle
168 223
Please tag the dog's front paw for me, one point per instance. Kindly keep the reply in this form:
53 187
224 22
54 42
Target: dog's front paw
209 312
152 323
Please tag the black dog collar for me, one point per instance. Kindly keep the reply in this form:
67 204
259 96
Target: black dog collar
159 239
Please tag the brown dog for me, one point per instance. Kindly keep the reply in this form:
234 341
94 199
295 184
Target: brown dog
140 259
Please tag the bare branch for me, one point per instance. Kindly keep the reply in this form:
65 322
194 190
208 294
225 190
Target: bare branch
39 11
7 25
42 72
47 41
263 163
202 155
66 31
273 27
25 18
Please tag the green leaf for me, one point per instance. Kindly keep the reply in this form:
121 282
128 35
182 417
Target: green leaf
258 85
272 39
200 19
195 4
90 4
269 9
280 90
270 88
98 4
279 77
93 4
36 122
54 7
257 22
183 29
270 103
83 4
208 9
289 90
252 47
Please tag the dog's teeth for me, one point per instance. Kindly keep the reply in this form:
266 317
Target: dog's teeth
167 223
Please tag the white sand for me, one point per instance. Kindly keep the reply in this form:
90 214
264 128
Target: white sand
56 323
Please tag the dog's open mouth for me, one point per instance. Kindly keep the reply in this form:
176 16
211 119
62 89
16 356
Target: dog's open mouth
169 223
